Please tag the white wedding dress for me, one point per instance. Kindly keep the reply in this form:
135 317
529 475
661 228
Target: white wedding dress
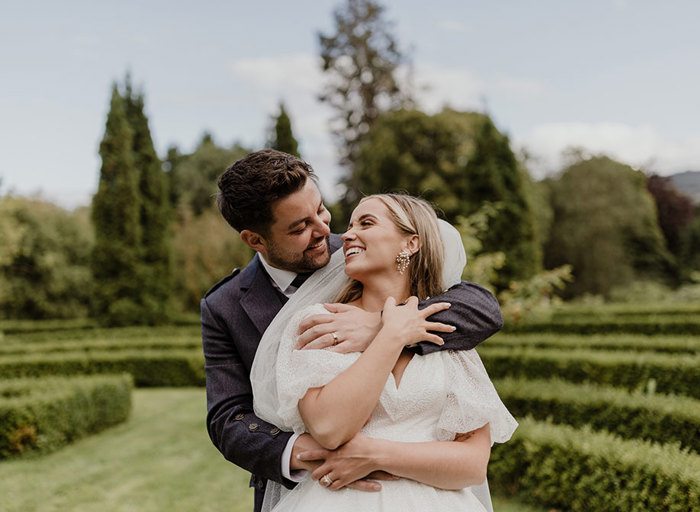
439 395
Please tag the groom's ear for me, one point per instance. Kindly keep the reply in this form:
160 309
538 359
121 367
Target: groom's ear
253 240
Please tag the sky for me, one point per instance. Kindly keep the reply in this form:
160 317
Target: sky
619 77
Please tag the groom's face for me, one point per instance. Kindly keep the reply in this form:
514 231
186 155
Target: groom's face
298 237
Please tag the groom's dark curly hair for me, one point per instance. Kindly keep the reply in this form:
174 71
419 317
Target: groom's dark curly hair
249 187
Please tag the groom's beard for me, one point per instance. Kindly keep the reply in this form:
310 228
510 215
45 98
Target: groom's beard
304 262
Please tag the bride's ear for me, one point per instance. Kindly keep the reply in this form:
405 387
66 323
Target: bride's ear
413 244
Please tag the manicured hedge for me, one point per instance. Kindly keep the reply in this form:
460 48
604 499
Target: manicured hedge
664 373
626 309
94 333
660 418
44 414
153 343
21 326
652 325
573 469
633 342
147 367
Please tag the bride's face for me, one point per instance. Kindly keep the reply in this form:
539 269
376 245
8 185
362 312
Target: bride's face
372 241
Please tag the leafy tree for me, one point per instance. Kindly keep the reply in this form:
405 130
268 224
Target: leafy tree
360 60
675 214
155 243
493 174
116 211
408 150
283 138
523 299
458 161
44 260
194 176
206 249
605 226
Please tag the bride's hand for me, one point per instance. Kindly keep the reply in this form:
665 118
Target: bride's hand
406 324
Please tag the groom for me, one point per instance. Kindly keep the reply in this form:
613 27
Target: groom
272 200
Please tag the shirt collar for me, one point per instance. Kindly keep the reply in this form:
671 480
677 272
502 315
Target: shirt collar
280 278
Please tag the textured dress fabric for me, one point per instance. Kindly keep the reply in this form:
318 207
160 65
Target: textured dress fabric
438 396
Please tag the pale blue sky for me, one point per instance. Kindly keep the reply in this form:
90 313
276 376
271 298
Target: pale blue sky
610 75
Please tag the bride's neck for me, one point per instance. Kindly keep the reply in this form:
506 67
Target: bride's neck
375 293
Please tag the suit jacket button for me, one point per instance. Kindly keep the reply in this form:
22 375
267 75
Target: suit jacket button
261 484
239 416
253 427
275 431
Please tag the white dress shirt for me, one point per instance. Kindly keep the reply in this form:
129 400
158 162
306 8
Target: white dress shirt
282 280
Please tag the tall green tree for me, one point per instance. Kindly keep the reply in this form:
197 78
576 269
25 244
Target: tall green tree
605 226
458 161
44 260
493 174
360 60
155 243
194 176
283 139
116 211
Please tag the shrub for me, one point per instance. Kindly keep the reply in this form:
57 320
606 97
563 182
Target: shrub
648 324
660 418
111 344
92 333
630 342
45 414
582 470
148 368
677 374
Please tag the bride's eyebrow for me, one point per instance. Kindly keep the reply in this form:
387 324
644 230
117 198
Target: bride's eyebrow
363 217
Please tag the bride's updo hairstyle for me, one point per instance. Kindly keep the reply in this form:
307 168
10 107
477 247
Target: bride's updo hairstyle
412 216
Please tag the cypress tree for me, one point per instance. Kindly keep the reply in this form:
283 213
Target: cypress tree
153 216
284 138
115 259
493 175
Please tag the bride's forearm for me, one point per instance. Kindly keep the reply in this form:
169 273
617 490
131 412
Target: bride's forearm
445 465
334 413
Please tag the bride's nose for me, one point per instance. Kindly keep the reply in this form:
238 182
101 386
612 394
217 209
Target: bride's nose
348 235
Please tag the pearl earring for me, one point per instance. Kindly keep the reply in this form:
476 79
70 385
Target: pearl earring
402 261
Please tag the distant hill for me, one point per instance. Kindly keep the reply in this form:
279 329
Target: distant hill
689 183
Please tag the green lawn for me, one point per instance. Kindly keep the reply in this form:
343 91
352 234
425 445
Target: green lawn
160 460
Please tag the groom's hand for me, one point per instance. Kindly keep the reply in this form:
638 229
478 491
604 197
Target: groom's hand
352 465
305 444
345 328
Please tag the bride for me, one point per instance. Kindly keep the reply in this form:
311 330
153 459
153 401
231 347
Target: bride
430 420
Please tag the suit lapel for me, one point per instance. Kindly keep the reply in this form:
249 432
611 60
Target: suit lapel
261 301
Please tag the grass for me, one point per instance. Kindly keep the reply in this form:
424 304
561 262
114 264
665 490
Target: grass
161 460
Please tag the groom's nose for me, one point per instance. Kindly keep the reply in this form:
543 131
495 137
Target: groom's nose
321 228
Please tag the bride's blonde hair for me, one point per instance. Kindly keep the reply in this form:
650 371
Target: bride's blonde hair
412 216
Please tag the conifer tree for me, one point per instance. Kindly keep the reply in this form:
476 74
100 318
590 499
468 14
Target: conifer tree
283 138
115 259
154 214
493 175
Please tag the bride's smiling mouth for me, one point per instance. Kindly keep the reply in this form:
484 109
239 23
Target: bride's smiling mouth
353 251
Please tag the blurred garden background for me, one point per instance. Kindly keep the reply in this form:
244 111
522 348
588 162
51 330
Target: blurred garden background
586 229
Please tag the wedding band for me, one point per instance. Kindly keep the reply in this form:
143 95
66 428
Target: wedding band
326 481
335 342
